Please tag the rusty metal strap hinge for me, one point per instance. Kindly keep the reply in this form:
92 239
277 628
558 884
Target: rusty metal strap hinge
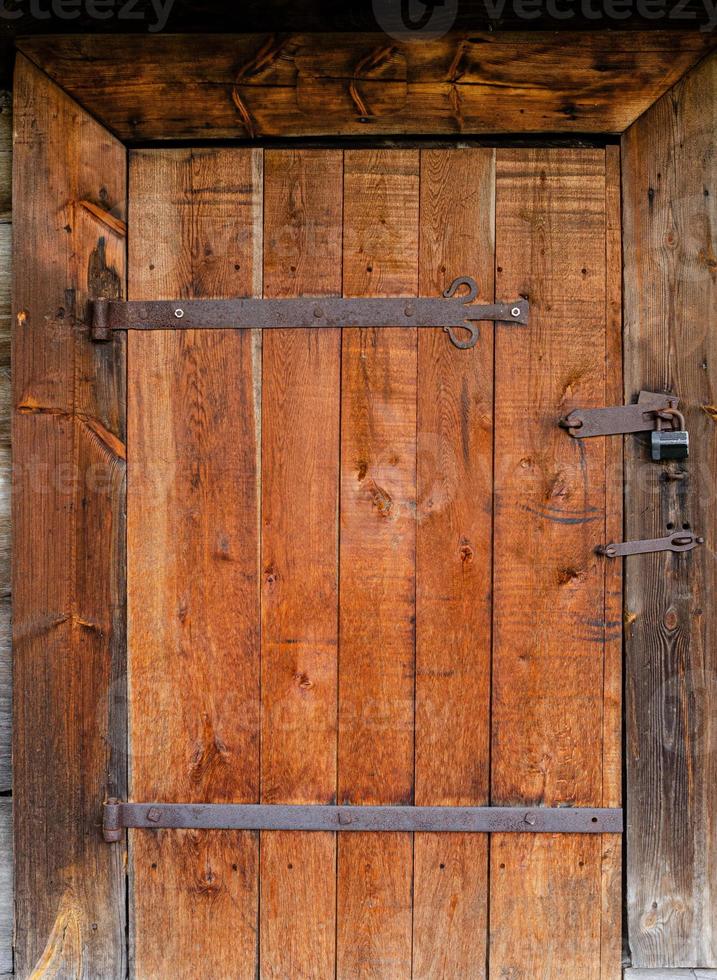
679 541
452 313
441 819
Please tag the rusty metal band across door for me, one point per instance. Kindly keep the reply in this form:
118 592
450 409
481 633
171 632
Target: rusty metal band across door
451 312
315 817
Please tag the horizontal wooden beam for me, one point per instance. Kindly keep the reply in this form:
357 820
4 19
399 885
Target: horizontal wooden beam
147 88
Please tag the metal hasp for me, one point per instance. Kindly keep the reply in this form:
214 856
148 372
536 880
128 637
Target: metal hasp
453 313
442 819
679 541
645 416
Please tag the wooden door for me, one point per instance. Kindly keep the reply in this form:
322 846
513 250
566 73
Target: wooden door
361 565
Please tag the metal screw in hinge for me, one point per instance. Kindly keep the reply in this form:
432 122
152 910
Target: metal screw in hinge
179 314
530 819
515 311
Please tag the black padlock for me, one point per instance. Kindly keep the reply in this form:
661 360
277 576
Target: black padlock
671 443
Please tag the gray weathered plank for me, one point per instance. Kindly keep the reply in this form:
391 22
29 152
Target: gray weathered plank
6 896
6 887
641 974
5 155
670 217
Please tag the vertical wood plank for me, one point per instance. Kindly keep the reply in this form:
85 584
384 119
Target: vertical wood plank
550 501
303 195
5 452
669 186
193 535
453 568
6 889
68 550
377 547
612 844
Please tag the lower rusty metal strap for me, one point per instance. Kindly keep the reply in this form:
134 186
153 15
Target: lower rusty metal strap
452 313
461 819
679 541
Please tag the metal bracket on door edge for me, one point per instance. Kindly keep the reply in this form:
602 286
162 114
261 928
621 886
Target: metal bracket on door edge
679 541
584 423
439 819
450 312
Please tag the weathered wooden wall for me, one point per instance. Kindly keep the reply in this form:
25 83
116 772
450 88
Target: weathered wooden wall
670 219
5 648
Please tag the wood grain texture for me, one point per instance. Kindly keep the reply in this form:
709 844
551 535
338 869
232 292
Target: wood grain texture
6 849
550 503
68 433
669 974
453 567
5 451
5 156
6 888
612 857
193 588
669 170
303 197
197 86
378 548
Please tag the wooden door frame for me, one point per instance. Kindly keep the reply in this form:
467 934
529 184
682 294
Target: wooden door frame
78 102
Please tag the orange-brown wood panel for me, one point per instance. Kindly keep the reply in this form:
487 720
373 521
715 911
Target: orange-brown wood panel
303 193
377 582
549 609
68 435
611 931
453 568
193 542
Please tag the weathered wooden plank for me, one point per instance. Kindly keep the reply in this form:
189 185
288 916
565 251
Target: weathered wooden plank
453 568
377 547
669 170
669 974
5 477
169 87
303 198
5 156
548 621
6 851
68 436
6 888
6 692
612 904
193 544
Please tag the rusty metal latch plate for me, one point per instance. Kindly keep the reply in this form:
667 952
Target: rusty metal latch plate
584 423
439 819
452 312
678 541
